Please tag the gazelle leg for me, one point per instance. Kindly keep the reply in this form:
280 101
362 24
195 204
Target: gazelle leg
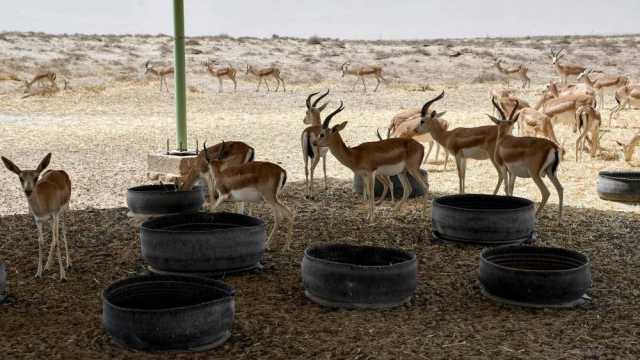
512 183
559 190
446 158
276 218
364 86
543 190
286 213
314 163
437 150
505 175
284 88
40 246
377 85
235 84
52 247
385 188
461 169
266 83
63 229
406 190
371 181
500 176
424 183
56 226
324 170
219 85
426 157
219 201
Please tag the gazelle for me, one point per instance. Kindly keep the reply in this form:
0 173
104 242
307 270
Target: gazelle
48 197
564 70
629 148
40 79
604 84
251 182
533 123
235 153
262 74
307 139
361 72
510 102
386 158
526 157
476 143
403 125
572 89
588 123
162 73
519 72
628 95
220 72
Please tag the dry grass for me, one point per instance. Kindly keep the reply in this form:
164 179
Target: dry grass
102 137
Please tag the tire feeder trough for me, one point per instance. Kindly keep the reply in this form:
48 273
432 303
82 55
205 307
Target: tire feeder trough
416 189
168 313
163 199
203 244
535 276
483 219
348 276
3 282
621 186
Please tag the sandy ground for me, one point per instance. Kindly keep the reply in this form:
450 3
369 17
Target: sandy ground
101 130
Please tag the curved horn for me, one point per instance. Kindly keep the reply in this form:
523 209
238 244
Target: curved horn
514 110
146 65
425 107
327 120
309 99
204 150
320 98
495 104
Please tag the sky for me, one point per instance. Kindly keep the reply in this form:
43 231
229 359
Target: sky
347 19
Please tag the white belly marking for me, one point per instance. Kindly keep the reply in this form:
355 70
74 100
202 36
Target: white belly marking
390 170
476 153
246 194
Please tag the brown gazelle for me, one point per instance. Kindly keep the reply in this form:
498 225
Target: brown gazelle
526 157
222 72
40 79
519 72
235 153
251 182
536 124
476 143
564 70
309 150
161 73
48 196
628 95
386 158
263 73
588 122
361 72
629 148
604 84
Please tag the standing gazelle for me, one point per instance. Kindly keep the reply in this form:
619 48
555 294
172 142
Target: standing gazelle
220 72
307 139
386 158
252 182
526 157
262 74
628 95
41 78
360 72
564 70
604 84
519 72
162 73
48 197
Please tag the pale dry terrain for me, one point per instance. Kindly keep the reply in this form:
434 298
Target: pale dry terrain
101 130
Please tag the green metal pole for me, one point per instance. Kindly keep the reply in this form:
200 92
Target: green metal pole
181 98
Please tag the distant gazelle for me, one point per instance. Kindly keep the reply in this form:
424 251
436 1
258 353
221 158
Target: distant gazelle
48 197
604 84
629 148
518 72
40 79
263 73
161 72
588 123
628 95
220 72
361 72
564 70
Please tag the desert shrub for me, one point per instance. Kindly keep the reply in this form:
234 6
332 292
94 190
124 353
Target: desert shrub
314 40
485 77
192 42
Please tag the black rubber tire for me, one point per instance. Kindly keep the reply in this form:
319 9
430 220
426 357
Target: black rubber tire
203 242
348 276
483 219
163 199
3 282
619 186
161 313
535 276
416 189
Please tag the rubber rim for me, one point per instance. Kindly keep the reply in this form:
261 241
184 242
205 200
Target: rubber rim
204 347
566 305
361 306
212 274
531 238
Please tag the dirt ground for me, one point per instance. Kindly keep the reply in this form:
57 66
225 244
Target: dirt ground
101 130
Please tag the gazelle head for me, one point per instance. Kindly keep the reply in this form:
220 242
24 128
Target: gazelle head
586 72
147 67
327 133
344 67
387 130
313 112
505 123
213 163
556 55
627 150
28 178
427 119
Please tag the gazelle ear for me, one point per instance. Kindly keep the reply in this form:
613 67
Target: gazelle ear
11 166
495 120
439 115
617 142
44 163
339 127
323 106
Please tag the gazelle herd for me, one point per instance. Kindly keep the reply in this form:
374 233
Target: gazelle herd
232 173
